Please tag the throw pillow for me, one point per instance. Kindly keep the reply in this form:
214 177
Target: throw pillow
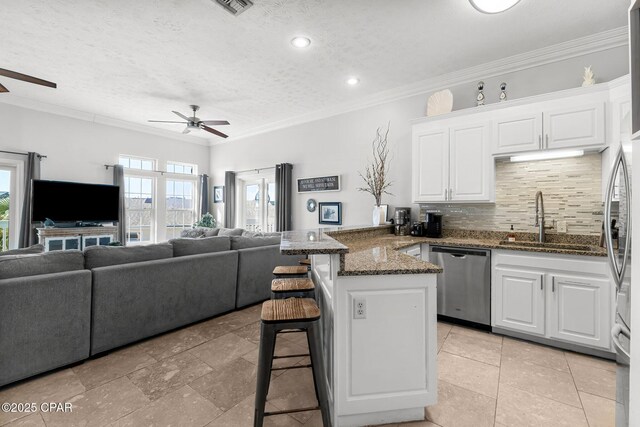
230 232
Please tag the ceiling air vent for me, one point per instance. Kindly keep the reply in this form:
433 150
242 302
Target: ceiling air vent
235 7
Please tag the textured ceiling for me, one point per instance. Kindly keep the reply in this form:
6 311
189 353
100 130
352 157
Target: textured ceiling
138 60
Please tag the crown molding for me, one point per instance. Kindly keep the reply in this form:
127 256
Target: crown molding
605 40
30 104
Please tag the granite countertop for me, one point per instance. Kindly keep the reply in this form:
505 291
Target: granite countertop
307 242
375 251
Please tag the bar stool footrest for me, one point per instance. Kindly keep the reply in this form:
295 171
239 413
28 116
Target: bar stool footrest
292 411
292 367
288 356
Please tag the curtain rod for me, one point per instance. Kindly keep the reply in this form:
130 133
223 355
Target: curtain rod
40 156
256 169
156 171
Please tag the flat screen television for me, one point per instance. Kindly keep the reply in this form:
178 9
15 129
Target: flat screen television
74 201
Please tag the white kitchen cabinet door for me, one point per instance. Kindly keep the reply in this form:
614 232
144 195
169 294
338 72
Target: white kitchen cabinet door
472 172
577 126
513 133
580 310
431 166
519 300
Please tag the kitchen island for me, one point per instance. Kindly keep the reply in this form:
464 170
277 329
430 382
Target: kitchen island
379 319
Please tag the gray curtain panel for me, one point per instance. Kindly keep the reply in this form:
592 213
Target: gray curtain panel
204 194
283 196
27 235
118 179
229 199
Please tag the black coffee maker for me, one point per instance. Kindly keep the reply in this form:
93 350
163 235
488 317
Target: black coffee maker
432 225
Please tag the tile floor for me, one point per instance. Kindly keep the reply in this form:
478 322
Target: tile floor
204 375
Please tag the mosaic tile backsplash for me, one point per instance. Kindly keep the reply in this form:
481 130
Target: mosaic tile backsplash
571 189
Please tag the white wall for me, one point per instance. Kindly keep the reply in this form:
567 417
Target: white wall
77 150
341 144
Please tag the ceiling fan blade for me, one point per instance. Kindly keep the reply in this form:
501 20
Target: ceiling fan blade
3 89
26 78
164 121
213 131
186 130
214 122
182 116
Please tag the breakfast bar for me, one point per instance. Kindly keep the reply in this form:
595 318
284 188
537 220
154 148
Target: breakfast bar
379 315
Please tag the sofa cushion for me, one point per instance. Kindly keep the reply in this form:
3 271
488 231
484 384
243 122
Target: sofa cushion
34 249
230 232
12 266
242 242
199 232
102 256
203 245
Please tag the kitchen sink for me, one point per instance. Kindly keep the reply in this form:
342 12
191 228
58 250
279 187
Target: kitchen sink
561 246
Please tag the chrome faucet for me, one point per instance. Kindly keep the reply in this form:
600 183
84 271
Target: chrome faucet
540 218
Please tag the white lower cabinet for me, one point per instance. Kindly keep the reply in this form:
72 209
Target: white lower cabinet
519 297
558 297
580 309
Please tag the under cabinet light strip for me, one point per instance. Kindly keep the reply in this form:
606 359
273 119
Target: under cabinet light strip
547 155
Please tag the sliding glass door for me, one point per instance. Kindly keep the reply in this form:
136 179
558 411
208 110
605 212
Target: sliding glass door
257 197
8 207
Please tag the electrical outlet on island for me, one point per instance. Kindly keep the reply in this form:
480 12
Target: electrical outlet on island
359 308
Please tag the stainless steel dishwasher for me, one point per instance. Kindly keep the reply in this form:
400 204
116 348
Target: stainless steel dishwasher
464 288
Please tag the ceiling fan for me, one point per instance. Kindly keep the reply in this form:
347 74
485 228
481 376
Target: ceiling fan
194 123
24 78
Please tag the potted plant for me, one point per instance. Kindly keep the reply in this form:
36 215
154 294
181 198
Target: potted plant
376 174
207 221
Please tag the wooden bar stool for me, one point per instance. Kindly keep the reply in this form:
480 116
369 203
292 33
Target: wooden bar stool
283 271
292 288
286 314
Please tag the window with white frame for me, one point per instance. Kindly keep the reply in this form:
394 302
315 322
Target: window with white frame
181 168
180 205
257 197
139 193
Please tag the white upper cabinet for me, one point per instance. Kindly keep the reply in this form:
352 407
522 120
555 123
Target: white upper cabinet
471 166
452 164
517 131
580 126
431 165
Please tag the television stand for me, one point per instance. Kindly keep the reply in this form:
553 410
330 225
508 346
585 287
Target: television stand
67 238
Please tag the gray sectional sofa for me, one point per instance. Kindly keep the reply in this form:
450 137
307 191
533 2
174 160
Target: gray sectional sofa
59 308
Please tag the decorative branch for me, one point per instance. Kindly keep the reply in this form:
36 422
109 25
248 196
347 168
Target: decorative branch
375 174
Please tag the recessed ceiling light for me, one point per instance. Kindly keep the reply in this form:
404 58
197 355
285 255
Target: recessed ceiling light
300 42
353 81
493 6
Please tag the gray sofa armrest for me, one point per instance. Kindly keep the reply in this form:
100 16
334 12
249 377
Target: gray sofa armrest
139 300
44 323
255 272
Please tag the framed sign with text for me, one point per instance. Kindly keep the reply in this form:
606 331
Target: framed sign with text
321 183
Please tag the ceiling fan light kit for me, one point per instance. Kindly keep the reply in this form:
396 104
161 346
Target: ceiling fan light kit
194 123
493 6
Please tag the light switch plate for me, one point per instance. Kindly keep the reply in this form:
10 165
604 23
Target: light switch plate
562 226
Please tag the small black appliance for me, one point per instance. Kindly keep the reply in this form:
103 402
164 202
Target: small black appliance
432 225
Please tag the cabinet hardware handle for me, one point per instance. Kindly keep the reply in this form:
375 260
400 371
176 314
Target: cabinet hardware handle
547 140
540 141
541 282
553 284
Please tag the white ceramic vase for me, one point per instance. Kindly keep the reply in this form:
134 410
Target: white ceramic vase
378 212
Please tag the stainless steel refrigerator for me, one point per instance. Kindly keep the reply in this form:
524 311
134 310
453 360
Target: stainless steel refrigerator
617 226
